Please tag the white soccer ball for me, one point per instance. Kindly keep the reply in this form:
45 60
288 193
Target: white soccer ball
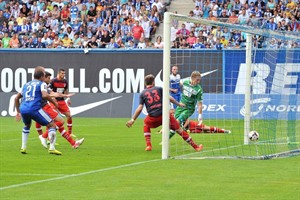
253 135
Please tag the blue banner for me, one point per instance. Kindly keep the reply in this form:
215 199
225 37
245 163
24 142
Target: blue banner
231 106
273 72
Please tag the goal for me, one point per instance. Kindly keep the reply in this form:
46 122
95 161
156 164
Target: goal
250 83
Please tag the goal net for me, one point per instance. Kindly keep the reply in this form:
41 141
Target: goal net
251 82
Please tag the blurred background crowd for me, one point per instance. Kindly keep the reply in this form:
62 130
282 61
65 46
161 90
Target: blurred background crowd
134 23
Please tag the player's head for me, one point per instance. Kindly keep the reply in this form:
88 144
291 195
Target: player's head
174 70
149 80
39 75
47 77
61 74
39 68
195 77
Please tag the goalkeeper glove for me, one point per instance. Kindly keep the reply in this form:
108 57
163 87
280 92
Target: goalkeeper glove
199 119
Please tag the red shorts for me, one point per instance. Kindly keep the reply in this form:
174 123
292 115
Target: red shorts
50 111
63 107
154 122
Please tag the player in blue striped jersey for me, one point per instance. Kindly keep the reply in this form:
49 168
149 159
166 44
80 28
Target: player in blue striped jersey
30 109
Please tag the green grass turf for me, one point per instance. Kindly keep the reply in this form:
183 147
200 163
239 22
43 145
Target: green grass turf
112 164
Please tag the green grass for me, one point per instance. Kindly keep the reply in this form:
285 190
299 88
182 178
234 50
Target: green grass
112 164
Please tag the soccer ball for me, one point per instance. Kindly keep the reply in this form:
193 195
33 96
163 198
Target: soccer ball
253 135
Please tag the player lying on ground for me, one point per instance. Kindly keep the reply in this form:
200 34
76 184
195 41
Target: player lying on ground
58 120
151 97
194 127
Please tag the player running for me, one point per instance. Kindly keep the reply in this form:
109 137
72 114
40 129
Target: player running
58 120
60 85
151 97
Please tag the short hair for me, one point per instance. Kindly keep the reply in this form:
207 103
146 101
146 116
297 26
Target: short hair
149 79
47 74
39 68
38 74
195 74
61 70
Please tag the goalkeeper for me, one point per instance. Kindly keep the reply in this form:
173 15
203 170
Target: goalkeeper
191 96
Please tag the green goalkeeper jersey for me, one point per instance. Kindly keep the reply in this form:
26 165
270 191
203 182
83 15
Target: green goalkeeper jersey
191 95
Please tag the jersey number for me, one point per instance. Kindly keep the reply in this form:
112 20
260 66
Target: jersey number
30 92
152 97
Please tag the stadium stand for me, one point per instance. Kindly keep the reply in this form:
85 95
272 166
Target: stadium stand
109 23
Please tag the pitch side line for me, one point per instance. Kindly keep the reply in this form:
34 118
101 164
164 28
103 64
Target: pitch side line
76 175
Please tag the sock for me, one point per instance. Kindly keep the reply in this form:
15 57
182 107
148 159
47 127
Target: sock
191 142
148 139
52 136
219 130
68 137
25 133
45 135
39 128
188 139
64 133
171 134
69 121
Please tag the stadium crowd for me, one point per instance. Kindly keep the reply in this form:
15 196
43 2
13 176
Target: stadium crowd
133 23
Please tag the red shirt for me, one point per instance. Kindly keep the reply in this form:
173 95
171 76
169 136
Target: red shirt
137 32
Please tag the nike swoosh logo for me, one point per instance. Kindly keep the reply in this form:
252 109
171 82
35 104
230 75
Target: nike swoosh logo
202 75
79 109
159 82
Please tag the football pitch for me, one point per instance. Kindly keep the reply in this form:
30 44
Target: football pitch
112 164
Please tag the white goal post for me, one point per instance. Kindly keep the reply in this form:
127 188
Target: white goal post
168 17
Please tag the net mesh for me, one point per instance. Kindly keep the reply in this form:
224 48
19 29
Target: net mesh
274 92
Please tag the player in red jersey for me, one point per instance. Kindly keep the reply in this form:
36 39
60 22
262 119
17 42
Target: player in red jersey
194 127
151 96
60 85
59 121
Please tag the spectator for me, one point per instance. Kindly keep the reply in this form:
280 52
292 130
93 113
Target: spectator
2 5
14 41
74 12
66 41
191 39
142 43
92 43
198 44
206 9
5 41
30 43
137 32
83 13
65 14
158 44
105 39
243 18
185 32
91 14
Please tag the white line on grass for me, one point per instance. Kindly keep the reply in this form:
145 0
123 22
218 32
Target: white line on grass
29 174
76 175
